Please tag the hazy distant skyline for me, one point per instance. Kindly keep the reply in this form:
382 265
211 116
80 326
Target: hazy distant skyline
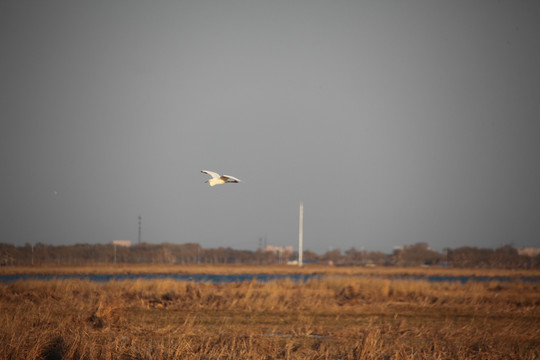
394 122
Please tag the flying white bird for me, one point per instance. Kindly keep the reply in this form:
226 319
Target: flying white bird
219 179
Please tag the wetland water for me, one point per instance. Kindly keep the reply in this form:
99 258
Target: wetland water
223 279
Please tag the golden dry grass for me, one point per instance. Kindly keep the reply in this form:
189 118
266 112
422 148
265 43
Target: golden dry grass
325 318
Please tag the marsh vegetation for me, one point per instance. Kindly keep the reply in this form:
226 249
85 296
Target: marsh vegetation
327 318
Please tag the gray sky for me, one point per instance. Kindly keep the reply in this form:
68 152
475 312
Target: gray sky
395 122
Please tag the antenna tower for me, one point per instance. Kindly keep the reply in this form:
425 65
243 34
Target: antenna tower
140 225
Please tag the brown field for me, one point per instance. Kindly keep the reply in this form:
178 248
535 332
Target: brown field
327 318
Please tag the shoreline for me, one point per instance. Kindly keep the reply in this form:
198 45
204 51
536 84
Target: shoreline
227 269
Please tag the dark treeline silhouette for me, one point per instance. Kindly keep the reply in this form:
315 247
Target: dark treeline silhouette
419 254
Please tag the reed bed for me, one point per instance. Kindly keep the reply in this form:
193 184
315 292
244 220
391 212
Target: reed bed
324 318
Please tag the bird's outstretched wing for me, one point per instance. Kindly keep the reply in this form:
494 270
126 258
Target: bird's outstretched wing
214 175
229 177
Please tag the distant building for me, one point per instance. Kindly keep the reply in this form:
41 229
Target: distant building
409 247
529 251
126 243
279 250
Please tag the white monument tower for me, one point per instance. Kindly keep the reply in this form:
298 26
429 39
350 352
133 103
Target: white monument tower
300 234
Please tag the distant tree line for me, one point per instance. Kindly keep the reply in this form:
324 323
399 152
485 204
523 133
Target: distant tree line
191 253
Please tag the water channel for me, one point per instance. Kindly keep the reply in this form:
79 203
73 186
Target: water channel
223 279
